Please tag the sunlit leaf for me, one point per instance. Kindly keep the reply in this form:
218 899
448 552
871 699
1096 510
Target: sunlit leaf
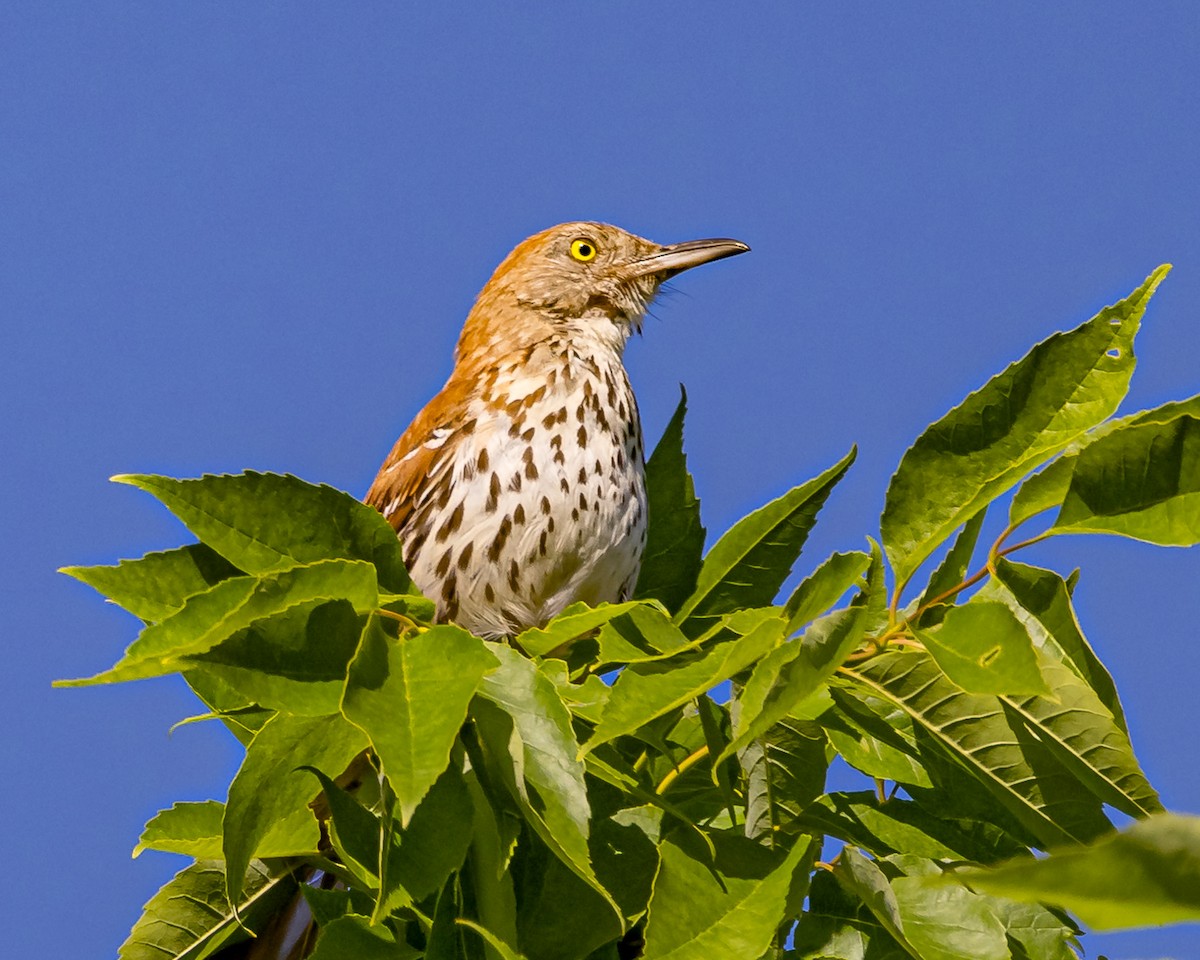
984 648
1146 875
410 697
675 537
1020 419
748 565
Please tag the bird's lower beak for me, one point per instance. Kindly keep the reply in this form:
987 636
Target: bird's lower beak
683 256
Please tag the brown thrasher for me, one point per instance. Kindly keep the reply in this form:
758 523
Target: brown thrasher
520 487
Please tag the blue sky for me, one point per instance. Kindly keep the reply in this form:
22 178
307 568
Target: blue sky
243 235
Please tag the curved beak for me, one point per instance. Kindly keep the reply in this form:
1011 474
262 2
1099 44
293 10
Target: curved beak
683 256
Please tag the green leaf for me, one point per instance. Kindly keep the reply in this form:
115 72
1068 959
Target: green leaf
206 619
410 697
903 826
785 769
264 522
861 878
155 586
1049 487
951 571
1017 421
675 537
295 661
748 565
1042 599
575 621
504 951
984 648
837 925
824 587
730 908
435 842
982 735
645 691
194 829
1077 728
1146 875
642 634
1140 481
190 917
354 938
544 751
792 672
269 786
874 757
354 830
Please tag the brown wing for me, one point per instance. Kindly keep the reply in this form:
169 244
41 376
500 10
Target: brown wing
417 471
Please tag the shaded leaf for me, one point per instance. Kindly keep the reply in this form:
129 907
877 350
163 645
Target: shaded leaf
785 769
190 917
269 786
265 522
727 909
951 571
1020 419
675 537
904 826
748 565
410 697
354 938
295 661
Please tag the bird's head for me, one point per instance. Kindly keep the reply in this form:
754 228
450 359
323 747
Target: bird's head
582 273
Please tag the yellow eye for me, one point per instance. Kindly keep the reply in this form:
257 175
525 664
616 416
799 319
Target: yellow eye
583 250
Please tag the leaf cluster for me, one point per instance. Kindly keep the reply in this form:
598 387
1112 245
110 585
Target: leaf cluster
589 790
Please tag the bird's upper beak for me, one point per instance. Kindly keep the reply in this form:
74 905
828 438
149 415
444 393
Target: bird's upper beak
683 256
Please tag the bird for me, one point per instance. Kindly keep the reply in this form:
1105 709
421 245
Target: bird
520 487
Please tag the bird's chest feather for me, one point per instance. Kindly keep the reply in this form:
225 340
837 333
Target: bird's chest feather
550 492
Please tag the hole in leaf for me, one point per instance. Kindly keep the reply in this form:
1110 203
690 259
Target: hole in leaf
1114 352
990 657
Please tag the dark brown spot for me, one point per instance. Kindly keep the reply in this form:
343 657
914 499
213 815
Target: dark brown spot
556 441
443 566
575 514
453 522
501 539
482 462
542 543
561 416
580 412
559 458
549 421
550 525
493 494
467 428
566 487
528 435
581 436
464 558
596 468
514 484
489 594
514 576
546 506
451 609
583 502
519 514
587 388
444 496
449 587
583 474
531 472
